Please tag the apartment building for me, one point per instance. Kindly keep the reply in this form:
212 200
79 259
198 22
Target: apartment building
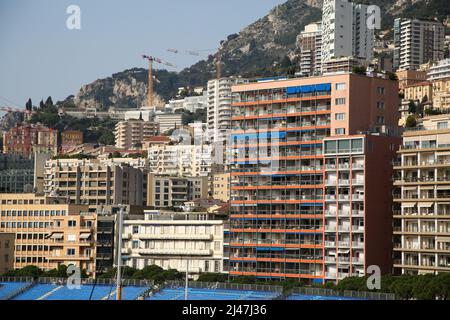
186 242
422 210
345 32
30 138
131 133
439 75
410 77
168 121
181 160
221 186
48 234
7 245
70 139
167 191
343 64
191 104
358 202
309 43
219 107
277 187
95 182
417 42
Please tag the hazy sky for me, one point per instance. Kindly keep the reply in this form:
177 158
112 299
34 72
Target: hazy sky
40 56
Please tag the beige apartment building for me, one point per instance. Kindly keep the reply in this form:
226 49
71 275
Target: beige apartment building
410 77
186 242
422 210
48 234
167 191
131 133
95 182
221 186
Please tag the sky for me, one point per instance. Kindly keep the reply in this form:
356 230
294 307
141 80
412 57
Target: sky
40 56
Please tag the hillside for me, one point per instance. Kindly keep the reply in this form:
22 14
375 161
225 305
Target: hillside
265 47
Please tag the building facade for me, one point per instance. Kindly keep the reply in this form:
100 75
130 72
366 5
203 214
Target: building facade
309 43
417 42
358 203
277 195
131 133
221 186
48 234
180 160
219 107
192 242
29 138
70 139
7 245
345 32
167 191
95 182
422 211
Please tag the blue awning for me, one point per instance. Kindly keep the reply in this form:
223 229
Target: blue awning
309 88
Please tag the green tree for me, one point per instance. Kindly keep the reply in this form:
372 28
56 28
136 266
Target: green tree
107 138
410 122
212 277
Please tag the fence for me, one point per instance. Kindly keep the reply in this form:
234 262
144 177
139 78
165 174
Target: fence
226 286
345 294
11 295
16 279
125 282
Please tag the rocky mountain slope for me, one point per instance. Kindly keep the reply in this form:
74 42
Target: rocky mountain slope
257 50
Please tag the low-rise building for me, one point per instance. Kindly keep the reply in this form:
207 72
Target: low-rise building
70 139
186 242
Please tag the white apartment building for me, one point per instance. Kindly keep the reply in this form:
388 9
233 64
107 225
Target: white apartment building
131 133
180 160
417 42
440 70
185 242
344 31
191 104
168 121
219 106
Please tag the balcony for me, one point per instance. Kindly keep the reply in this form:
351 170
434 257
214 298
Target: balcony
175 252
169 236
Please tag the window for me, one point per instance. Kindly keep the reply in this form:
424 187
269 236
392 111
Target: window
72 223
135 229
442 125
339 131
380 105
135 244
339 101
330 146
70 252
380 90
380 119
340 116
340 86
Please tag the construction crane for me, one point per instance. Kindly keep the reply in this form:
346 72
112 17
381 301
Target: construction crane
150 60
217 57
